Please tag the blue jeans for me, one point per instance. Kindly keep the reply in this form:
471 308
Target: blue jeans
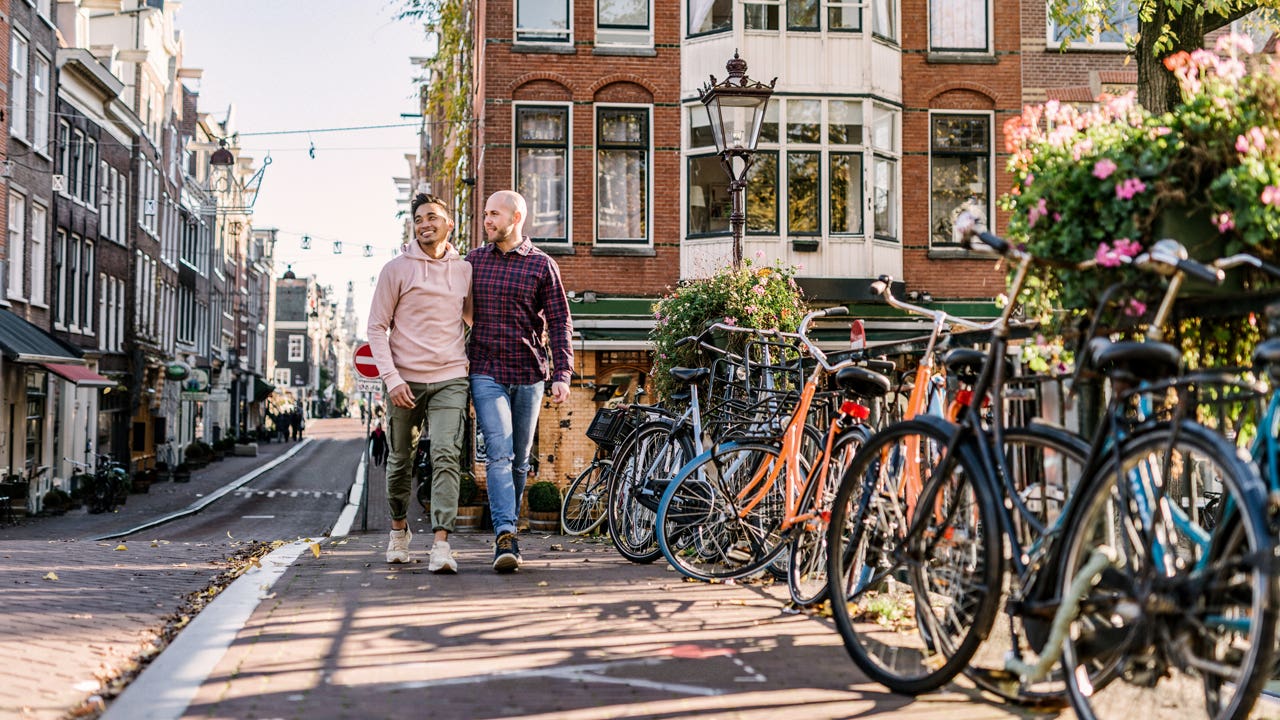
508 417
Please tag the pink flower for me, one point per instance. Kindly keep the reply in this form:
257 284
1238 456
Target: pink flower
1103 168
730 321
759 254
758 289
1224 221
1242 144
1271 195
1129 188
751 309
1135 308
1037 212
1113 256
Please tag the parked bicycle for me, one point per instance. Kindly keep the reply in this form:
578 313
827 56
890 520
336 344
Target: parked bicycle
1142 592
108 483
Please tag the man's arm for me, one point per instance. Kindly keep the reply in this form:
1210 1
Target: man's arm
555 307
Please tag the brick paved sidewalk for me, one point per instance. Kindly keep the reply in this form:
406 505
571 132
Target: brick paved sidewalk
58 638
579 633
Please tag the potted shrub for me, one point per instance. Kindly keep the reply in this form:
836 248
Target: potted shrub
544 506
57 501
182 473
764 296
198 454
469 509
142 481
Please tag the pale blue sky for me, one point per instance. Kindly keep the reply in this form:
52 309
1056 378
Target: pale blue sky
305 65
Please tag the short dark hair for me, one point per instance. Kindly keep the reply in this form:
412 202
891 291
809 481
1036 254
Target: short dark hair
426 199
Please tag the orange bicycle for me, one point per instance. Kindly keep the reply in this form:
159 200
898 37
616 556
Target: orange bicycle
732 510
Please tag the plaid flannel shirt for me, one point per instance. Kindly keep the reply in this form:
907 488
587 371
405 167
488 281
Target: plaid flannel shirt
517 299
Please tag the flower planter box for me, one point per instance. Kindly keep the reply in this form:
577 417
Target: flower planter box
468 518
548 522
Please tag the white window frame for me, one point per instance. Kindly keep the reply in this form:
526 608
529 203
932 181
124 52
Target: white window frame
75 275
39 222
1093 42
568 168
687 20
19 57
40 104
17 241
540 36
894 22
87 270
891 153
297 348
988 34
647 240
60 292
283 377
625 36
991 165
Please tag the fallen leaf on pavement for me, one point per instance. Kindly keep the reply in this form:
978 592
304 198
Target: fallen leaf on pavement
315 549
541 584
557 546
51 575
121 547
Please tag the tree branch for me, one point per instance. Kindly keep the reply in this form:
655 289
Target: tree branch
1215 22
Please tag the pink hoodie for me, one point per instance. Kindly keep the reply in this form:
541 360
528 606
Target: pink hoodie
416 322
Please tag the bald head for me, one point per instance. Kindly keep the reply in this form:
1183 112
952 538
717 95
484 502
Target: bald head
504 215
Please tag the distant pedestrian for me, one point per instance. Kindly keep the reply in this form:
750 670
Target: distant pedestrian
416 331
379 439
363 413
518 300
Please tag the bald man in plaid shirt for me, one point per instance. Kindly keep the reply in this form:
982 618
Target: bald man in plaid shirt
518 300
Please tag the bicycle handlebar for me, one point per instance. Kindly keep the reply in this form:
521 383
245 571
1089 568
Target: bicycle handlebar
883 287
1239 259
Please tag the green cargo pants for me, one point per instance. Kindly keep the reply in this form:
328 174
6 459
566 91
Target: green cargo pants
444 405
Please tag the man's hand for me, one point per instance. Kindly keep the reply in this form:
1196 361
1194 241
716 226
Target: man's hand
559 391
402 397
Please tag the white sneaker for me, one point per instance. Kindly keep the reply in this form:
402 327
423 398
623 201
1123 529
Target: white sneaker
442 559
398 546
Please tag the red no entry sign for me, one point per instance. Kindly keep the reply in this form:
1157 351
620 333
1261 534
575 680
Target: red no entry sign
365 366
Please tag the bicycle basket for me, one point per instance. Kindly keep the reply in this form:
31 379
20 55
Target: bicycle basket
610 426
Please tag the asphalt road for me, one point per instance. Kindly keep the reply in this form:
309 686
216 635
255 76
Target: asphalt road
299 498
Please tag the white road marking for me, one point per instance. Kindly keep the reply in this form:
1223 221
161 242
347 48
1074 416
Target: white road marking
584 673
257 517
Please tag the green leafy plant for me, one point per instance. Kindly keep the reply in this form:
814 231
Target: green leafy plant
544 496
763 296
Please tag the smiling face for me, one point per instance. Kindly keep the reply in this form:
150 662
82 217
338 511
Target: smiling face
431 227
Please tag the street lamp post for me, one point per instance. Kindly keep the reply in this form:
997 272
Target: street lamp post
736 109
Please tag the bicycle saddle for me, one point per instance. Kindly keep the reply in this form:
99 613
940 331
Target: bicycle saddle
861 382
1128 360
966 364
690 375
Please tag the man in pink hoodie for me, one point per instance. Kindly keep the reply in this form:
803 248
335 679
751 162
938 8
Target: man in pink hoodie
416 331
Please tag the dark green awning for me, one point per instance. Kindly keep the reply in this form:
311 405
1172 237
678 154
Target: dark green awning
23 342
262 390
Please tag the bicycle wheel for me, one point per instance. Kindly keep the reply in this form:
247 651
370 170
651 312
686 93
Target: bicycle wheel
1045 465
1182 623
704 530
648 460
585 499
912 610
807 563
